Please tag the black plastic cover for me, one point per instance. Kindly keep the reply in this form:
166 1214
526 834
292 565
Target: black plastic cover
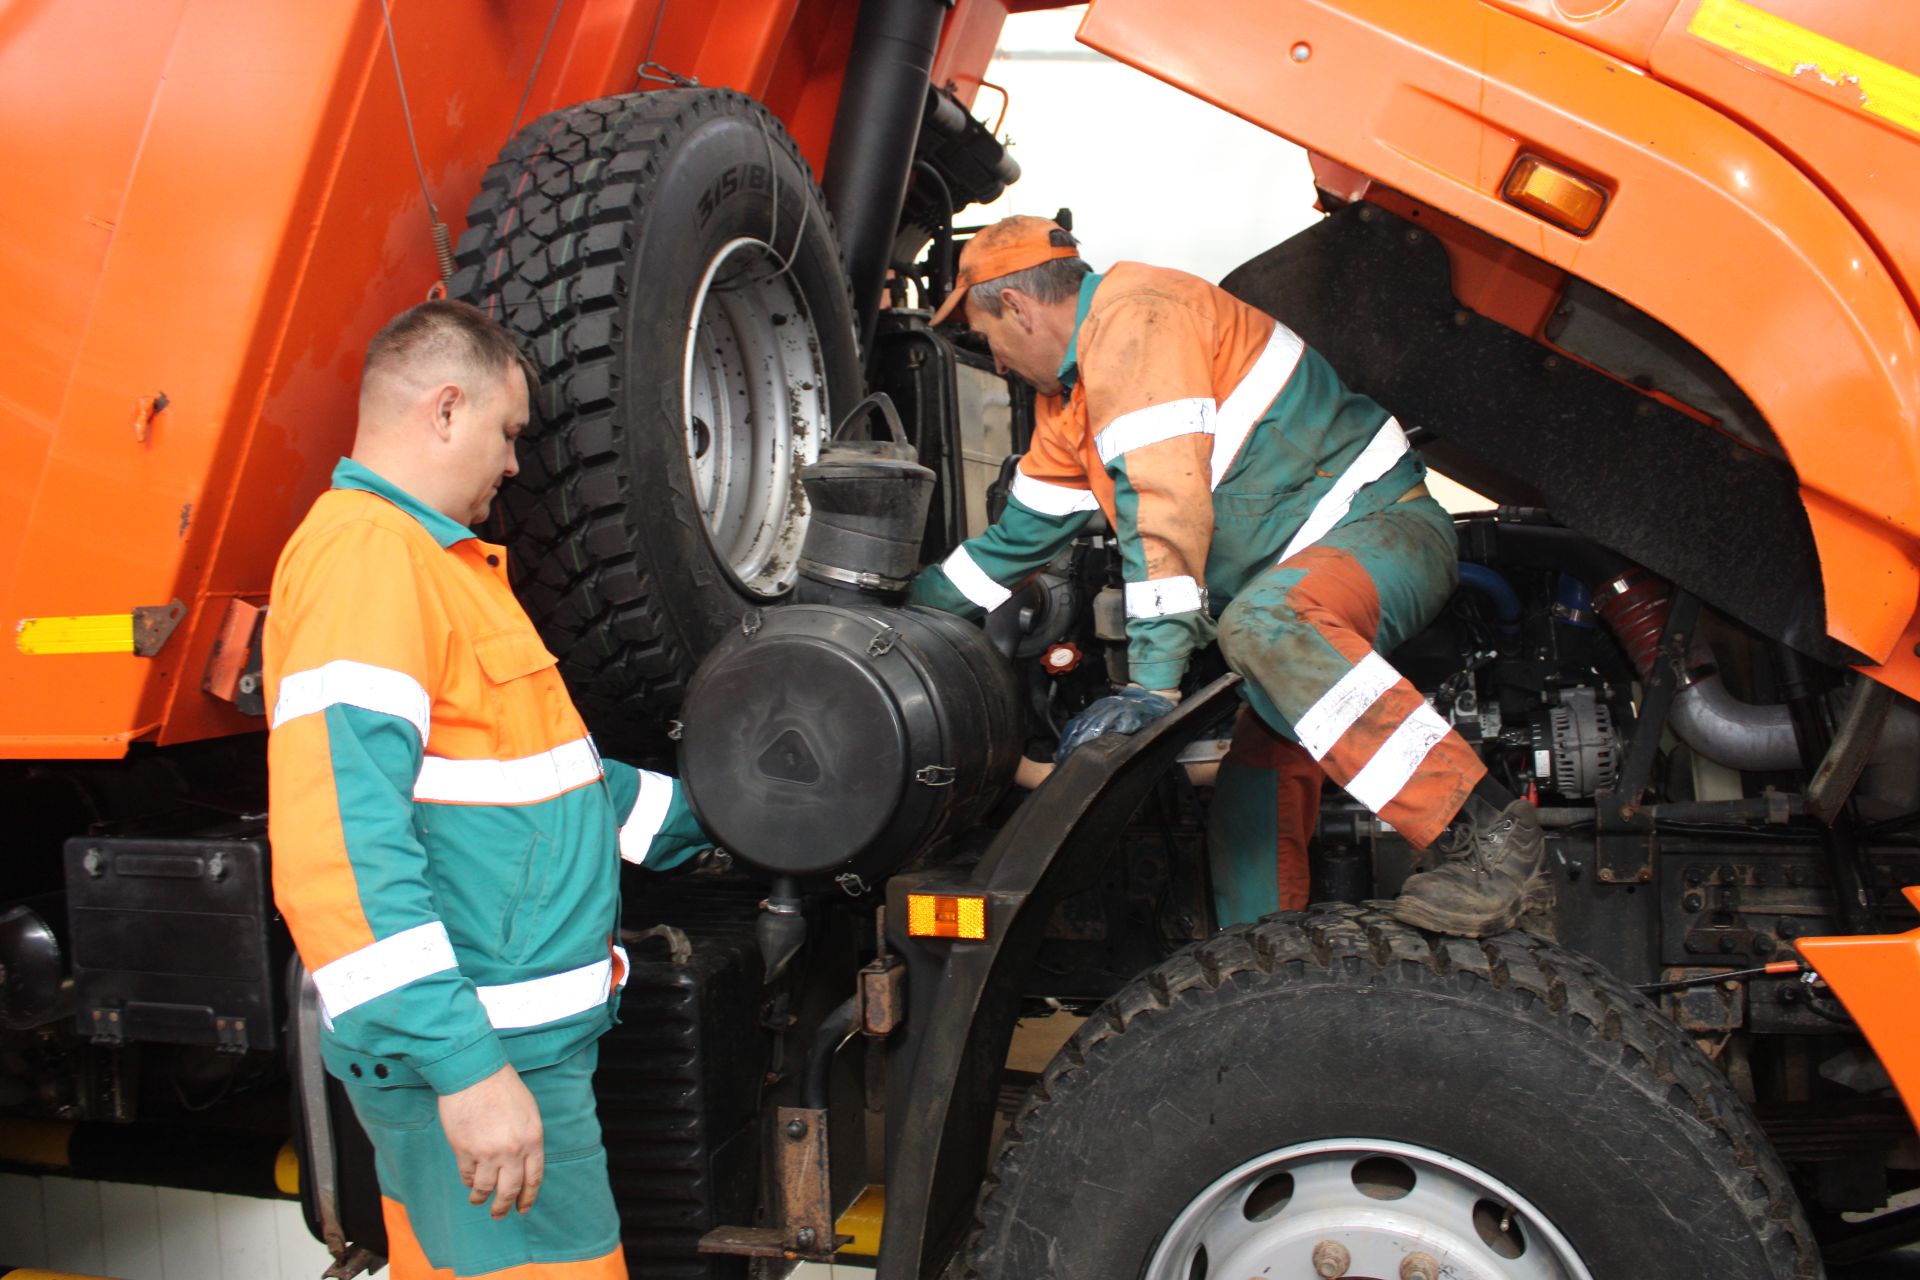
820 738
172 941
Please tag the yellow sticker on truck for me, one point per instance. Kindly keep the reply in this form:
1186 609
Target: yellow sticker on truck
87 633
1748 32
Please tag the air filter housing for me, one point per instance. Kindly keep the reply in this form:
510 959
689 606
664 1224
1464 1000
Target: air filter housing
822 740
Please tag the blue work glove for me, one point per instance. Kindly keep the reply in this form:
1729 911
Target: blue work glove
1128 711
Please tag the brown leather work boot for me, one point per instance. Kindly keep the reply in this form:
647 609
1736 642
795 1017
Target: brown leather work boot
1493 879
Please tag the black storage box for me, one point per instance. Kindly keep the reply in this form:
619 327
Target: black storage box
173 941
678 1085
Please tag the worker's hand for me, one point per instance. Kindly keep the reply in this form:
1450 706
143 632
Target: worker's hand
1128 711
495 1132
1029 774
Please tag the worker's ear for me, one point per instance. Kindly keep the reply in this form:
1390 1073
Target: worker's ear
1020 306
447 401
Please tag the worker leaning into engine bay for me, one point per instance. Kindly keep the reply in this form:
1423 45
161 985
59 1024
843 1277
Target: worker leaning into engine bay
447 840
1258 501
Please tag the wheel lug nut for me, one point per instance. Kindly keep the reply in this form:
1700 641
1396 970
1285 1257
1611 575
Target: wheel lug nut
1419 1266
1331 1259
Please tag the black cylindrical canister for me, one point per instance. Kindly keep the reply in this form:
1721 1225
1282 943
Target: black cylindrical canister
869 514
820 739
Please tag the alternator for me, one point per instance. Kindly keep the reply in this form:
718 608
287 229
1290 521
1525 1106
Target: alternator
1575 749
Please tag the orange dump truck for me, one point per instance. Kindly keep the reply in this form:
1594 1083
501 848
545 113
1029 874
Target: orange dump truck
1643 272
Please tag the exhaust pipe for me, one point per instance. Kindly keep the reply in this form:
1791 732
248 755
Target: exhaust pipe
1706 715
878 123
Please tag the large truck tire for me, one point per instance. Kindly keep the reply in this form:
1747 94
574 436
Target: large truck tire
1337 1082
669 264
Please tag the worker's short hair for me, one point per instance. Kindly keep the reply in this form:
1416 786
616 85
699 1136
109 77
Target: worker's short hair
446 332
1051 281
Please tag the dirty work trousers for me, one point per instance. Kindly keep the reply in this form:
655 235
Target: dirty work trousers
572 1232
1308 635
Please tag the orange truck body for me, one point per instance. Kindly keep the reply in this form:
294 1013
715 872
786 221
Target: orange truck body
1761 163
215 202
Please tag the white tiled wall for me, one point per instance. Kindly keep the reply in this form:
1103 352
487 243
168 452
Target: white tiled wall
157 1233
152 1233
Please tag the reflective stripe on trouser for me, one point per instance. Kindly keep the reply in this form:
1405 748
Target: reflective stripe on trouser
1307 635
1266 801
433 1233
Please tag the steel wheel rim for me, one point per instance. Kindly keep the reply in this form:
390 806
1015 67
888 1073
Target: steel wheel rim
753 408
1381 1202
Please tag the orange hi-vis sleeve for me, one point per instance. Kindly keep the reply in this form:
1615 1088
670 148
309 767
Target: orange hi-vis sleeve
1158 354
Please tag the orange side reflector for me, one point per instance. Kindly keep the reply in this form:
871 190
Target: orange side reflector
946 915
1548 191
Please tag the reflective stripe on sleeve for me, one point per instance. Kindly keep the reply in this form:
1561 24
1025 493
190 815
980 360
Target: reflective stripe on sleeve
971 581
1386 448
1248 402
1340 707
649 815
1158 597
1153 424
527 780
382 967
1049 499
354 684
512 1005
1398 758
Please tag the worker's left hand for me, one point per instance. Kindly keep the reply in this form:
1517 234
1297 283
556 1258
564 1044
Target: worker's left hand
1128 711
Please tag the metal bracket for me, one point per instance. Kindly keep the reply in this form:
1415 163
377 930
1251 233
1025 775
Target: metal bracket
936 775
356 1261
1852 747
153 626
1625 847
231 1033
883 996
233 668
105 1026
883 642
804 1197
679 948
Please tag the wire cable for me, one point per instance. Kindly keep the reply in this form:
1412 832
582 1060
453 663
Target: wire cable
651 70
436 229
553 21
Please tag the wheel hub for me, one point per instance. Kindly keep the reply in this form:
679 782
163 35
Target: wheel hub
753 410
1363 1209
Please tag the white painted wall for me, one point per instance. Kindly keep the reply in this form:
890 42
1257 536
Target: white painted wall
1151 173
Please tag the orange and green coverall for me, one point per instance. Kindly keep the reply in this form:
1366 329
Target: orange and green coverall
446 852
1258 501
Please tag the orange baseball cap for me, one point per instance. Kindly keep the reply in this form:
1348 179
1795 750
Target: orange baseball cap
1009 245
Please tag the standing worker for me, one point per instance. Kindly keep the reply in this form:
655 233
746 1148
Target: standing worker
1245 483
446 838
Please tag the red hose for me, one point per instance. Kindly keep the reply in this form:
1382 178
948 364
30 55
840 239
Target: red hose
1636 605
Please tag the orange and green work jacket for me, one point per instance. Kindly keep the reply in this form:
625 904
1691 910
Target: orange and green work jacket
446 838
1216 442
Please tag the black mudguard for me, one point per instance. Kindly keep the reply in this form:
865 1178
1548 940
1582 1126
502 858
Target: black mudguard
944 1066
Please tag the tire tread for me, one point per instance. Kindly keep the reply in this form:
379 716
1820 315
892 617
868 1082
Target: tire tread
544 251
1366 946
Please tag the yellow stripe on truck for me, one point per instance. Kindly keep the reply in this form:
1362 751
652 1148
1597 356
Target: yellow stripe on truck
90 633
1887 91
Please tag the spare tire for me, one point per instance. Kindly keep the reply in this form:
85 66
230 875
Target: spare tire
669 264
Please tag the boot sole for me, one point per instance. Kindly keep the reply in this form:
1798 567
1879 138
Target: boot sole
1536 894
